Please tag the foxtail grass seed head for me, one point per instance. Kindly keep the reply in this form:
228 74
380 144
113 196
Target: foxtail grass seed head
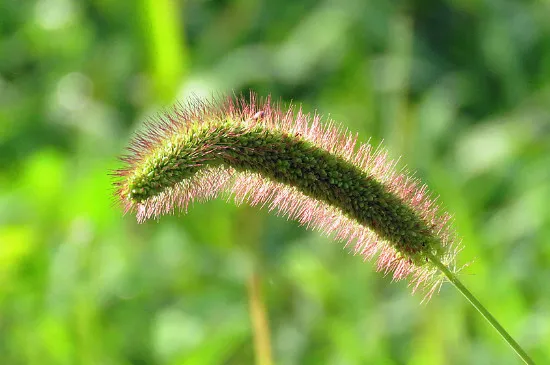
256 152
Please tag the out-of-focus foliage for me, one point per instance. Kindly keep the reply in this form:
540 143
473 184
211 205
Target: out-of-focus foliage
460 89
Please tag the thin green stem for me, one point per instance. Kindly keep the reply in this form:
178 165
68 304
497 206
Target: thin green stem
249 225
259 321
481 309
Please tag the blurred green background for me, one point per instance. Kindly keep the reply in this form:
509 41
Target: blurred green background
459 88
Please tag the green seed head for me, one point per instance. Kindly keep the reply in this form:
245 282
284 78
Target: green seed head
310 171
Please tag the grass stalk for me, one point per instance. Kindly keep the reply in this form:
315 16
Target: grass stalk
259 320
482 310
249 226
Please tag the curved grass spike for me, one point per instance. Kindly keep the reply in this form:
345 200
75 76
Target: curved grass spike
316 173
312 172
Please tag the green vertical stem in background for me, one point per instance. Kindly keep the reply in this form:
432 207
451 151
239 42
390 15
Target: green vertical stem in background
396 81
249 227
259 320
481 309
168 56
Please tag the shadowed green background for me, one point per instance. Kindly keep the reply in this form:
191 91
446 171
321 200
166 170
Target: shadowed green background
459 89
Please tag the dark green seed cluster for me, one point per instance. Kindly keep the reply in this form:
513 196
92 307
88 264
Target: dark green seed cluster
291 160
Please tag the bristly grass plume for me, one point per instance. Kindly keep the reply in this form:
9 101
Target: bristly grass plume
260 153
309 170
